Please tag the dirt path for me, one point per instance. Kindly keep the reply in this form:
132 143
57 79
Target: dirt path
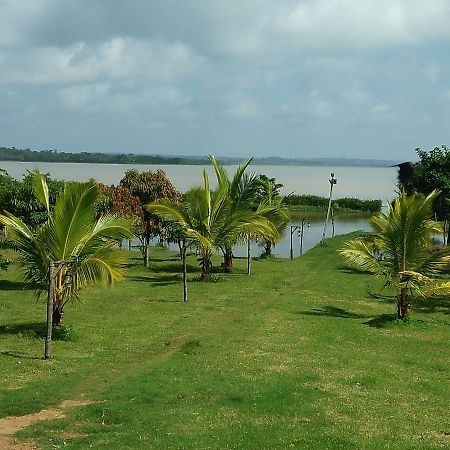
10 425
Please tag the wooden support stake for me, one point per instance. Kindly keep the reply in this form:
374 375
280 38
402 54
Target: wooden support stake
48 337
249 257
183 256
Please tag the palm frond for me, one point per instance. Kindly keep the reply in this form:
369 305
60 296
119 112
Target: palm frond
360 254
40 189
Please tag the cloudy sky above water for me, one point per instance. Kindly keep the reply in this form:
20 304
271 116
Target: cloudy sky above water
309 78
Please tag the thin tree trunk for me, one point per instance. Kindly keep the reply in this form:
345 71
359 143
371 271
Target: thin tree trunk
249 257
146 245
48 337
448 231
129 244
183 256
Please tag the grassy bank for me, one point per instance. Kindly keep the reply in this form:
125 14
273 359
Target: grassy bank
312 211
298 355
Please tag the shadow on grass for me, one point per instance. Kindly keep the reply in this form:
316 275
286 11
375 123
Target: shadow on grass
19 355
332 311
433 305
6 285
352 271
37 330
382 321
174 268
163 280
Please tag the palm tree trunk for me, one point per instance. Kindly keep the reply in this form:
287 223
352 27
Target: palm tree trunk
228 259
268 248
402 303
206 264
58 314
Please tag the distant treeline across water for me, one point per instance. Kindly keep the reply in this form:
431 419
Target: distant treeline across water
28 155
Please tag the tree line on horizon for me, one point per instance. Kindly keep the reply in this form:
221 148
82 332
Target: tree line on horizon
53 155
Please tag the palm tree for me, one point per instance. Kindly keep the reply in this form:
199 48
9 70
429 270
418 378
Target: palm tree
241 191
277 212
70 234
399 250
206 219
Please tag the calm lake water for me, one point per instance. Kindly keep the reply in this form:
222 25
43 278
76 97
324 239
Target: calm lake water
361 182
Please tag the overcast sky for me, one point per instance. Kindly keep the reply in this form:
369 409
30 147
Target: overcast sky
322 78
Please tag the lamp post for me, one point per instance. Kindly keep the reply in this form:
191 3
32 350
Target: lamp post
301 233
300 230
332 181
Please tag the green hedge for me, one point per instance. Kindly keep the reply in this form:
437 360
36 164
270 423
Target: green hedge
340 203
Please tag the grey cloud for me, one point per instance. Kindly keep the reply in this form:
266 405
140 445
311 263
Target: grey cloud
237 77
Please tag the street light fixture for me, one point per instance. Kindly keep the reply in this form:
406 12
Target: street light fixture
332 181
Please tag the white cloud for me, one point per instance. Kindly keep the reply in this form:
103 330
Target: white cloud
243 110
119 58
363 24
159 102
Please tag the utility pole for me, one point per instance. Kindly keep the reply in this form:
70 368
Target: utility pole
332 181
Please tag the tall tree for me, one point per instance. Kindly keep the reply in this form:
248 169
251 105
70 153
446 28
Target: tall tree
119 200
433 172
70 234
149 187
399 250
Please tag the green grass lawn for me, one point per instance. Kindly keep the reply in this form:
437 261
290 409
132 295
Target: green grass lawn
298 355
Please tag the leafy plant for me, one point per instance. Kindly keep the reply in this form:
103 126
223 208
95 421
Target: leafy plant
70 234
398 250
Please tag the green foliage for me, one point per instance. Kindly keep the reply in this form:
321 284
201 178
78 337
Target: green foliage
219 218
18 197
433 172
399 250
149 187
352 203
72 234
15 154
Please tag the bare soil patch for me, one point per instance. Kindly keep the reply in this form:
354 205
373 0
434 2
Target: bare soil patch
11 425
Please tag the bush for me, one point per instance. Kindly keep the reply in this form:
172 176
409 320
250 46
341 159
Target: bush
355 204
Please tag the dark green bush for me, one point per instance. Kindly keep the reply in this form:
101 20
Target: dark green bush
355 204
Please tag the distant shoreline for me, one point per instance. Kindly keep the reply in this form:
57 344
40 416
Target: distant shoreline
53 156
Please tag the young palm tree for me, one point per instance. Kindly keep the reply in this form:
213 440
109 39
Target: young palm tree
399 250
205 218
276 211
241 192
70 234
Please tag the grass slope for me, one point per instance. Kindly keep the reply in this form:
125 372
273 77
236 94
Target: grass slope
296 356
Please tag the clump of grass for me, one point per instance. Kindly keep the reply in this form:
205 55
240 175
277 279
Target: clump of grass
190 347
